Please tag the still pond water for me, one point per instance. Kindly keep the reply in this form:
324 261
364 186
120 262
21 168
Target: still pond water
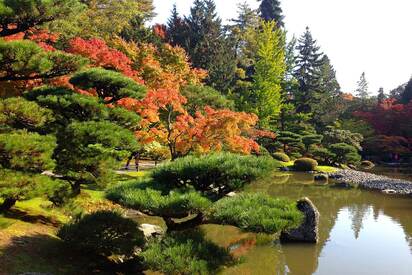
361 232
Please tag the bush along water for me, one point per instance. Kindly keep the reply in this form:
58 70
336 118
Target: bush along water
196 189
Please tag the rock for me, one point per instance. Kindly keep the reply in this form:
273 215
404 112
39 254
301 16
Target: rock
150 230
308 230
321 177
231 194
389 191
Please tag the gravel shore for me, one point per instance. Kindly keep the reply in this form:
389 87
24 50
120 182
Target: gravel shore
372 181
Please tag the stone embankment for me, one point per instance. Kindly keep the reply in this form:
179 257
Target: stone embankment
372 181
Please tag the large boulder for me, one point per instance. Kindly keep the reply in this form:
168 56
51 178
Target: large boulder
308 231
150 230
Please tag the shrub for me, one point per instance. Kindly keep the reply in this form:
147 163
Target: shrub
322 155
281 157
366 164
345 153
143 196
185 253
103 233
305 164
220 171
257 213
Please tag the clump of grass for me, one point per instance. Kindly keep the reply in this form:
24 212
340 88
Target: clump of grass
256 213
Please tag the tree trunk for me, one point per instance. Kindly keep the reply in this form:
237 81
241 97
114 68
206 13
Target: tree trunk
76 188
179 226
7 204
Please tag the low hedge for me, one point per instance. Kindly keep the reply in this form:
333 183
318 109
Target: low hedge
305 164
281 157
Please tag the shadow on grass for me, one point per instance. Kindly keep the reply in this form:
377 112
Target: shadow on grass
30 218
47 254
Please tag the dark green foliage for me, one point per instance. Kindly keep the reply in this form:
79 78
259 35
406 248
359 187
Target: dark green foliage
345 153
103 233
257 213
110 86
406 95
21 15
22 156
271 10
312 139
281 157
291 142
305 164
203 38
149 197
333 136
223 172
199 97
323 155
69 106
18 113
307 72
185 253
29 152
87 151
18 185
25 60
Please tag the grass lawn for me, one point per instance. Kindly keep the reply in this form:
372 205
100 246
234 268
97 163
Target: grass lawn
28 241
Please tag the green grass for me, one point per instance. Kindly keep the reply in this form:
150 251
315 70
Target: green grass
140 174
41 207
326 169
5 222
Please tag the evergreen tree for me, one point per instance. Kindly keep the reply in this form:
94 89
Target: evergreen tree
270 70
207 46
21 15
381 95
176 28
406 96
307 73
362 89
329 104
271 10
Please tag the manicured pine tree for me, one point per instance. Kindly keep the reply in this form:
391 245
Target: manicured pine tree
362 89
271 10
307 73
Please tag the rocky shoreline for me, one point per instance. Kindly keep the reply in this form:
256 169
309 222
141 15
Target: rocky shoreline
373 181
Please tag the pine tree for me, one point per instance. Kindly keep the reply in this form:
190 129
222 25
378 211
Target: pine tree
271 10
327 110
362 89
381 95
207 46
406 96
176 28
307 72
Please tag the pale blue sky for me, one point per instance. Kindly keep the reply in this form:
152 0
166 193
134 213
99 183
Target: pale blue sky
358 35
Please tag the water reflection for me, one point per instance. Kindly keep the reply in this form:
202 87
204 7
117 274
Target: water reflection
360 232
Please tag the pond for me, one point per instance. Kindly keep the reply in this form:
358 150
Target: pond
397 172
361 232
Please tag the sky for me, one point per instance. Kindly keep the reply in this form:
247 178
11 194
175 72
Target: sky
371 36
